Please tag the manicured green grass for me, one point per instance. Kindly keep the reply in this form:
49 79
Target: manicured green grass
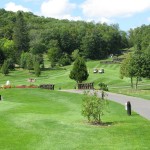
60 77
39 119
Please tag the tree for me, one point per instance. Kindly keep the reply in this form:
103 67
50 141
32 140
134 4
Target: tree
29 61
126 68
37 68
141 66
79 72
8 48
2 57
92 45
65 60
93 107
20 35
23 60
54 55
136 65
5 68
75 54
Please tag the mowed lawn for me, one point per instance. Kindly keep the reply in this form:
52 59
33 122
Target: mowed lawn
60 77
39 119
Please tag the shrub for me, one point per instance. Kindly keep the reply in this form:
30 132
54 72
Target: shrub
103 86
93 107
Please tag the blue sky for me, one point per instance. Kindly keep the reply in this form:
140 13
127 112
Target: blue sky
127 13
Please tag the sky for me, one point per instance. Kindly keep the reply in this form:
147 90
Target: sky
127 13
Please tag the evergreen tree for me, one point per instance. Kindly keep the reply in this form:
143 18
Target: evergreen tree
5 68
37 68
29 61
20 35
79 72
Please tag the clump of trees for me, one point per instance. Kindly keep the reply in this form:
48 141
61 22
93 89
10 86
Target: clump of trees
136 65
93 107
62 40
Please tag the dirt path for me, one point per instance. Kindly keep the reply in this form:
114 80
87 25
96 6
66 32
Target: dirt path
139 105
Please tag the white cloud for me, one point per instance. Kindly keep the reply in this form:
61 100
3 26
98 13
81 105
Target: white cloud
69 17
57 8
148 19
113 8
13 7
105 20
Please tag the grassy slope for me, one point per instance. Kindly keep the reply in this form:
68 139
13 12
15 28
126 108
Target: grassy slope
42 119
61 79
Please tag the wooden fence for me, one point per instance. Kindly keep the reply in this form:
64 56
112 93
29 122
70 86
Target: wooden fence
47 86
86 85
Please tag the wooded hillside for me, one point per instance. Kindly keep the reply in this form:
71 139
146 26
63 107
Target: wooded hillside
63 40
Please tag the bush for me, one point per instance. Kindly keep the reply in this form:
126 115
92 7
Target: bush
103 86
93 107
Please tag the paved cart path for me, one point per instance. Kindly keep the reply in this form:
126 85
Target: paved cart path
139 105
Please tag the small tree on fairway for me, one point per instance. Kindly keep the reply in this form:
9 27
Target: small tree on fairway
37 69
93 107
79 72
5 68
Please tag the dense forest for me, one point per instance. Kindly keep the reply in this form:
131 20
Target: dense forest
25 37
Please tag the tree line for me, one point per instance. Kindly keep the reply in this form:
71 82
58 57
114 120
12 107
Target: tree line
25 38
62 40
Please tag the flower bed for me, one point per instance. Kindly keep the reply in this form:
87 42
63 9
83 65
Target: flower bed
18 86
26 86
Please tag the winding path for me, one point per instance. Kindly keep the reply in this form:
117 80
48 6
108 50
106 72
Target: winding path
139 105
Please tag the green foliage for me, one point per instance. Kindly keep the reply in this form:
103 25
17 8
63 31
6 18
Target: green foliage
93 107
136 65
126 68
11 64
54 55
65 60
37 68
75 54
140 37
37 47
103 86
38 34
79 71
23 60
8 48
5 67
2 56
29 61
20 35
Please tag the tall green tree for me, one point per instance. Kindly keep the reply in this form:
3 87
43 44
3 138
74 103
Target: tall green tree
5 68
29 61
37 68
79 71
126 68
54 55
20 35
2 56
8 48
136 65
